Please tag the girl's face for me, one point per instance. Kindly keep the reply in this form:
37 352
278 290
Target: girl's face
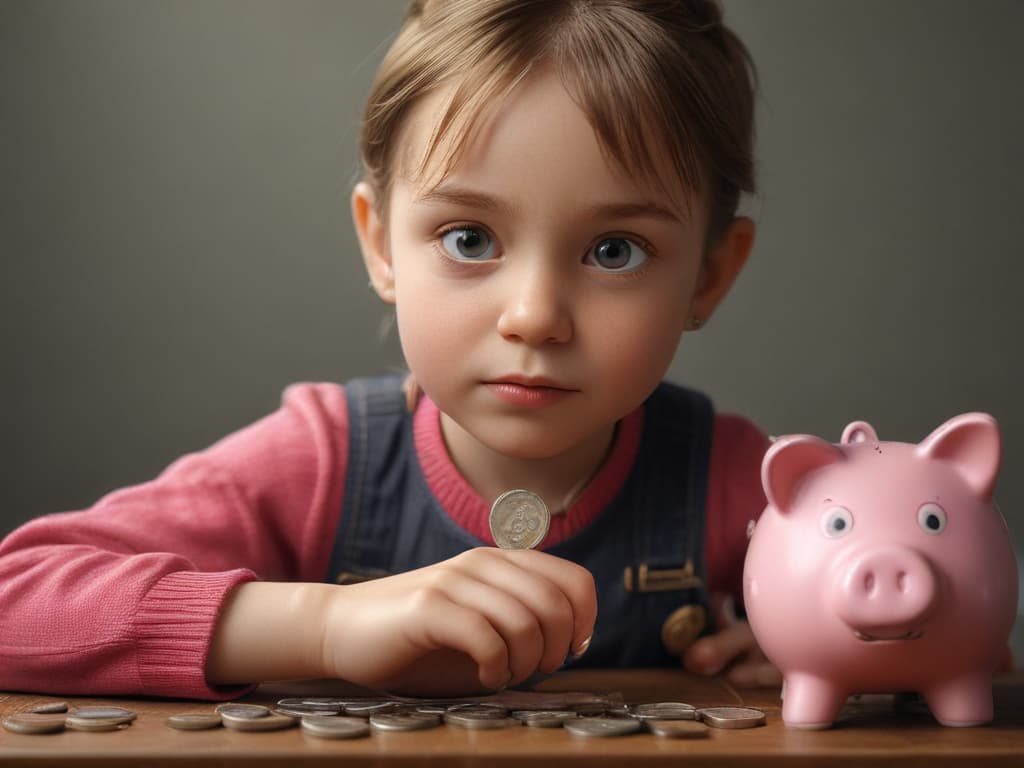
540 292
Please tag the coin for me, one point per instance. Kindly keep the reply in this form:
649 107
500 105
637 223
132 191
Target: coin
237 710
479 721
544 718
732 717
335 727
519 520
298 712
367 708
93 723
682 627
194 721
312 706
478 710
431 709
54 707
103 713
677 729
663 710
412 721
601 726
479 717
33 722
269 722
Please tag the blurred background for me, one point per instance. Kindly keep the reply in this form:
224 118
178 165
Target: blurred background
175 242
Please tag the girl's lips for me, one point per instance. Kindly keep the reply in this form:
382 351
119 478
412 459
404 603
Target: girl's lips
527 395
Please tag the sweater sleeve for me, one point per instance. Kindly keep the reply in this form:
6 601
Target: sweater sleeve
735 497
123 597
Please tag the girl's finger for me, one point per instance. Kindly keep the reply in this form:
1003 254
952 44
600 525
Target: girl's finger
573 581
454 626
538 597
516 622
711 654
754 673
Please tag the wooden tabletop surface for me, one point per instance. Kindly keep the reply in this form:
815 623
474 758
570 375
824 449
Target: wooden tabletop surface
875 731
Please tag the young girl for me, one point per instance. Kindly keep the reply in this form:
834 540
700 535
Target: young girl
549 200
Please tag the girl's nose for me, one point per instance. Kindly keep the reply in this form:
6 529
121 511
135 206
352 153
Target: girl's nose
536 310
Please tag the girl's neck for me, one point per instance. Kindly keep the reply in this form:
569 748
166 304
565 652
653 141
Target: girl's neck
559 480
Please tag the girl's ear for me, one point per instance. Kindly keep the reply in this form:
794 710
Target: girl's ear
721 267
372 236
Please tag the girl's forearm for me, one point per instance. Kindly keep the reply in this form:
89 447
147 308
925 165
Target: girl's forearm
269 631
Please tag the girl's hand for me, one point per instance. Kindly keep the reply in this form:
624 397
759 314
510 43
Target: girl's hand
734 648
488 617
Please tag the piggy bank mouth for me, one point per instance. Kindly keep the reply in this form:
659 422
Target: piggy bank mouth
886 637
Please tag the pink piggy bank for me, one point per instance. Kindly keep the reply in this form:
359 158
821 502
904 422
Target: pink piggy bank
881 567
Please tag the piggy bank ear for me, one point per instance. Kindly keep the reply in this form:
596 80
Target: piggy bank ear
788 462
859 432
971 444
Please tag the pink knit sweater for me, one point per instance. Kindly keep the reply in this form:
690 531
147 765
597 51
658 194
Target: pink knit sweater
122 598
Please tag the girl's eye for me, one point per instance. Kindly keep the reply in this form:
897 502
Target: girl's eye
468 244
836 522
616 254
931 518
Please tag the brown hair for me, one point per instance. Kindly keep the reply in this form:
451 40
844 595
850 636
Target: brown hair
667 71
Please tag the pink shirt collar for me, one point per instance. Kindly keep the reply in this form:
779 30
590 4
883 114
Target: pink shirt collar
470 510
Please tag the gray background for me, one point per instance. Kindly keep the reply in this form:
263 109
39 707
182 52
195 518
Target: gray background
176 244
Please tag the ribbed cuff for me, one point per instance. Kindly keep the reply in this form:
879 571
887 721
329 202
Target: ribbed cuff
173 629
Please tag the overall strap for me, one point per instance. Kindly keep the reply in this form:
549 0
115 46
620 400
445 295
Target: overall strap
380 436
646 551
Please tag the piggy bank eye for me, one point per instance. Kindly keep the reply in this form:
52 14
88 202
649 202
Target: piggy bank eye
836 522
931 518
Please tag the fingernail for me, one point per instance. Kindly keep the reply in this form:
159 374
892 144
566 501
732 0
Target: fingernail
504 685
582 648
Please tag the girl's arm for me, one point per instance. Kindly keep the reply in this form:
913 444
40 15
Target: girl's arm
124 597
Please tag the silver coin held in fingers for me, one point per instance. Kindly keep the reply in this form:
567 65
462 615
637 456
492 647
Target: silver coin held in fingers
519 520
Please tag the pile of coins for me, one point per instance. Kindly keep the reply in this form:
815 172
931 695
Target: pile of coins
328 718
55 717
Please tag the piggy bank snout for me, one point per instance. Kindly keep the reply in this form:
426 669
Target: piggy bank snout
885 594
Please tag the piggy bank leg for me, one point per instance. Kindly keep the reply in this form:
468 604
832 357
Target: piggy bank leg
961 702
811 702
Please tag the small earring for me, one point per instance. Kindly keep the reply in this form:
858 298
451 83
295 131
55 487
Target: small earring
412 392
694 323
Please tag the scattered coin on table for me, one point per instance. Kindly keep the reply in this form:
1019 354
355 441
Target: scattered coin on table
238 711
93 723
367 708
479 717
33 723
602 726
312 706
269 722
519 520
194 721
677 729
335 727
663 710
544 718
732 717
410 721
54 707
103 713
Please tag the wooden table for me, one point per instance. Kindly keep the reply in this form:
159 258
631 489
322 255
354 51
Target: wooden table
874 731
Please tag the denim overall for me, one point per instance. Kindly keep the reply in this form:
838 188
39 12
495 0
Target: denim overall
391 522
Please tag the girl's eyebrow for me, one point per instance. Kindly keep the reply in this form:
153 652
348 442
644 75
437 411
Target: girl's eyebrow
469 198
